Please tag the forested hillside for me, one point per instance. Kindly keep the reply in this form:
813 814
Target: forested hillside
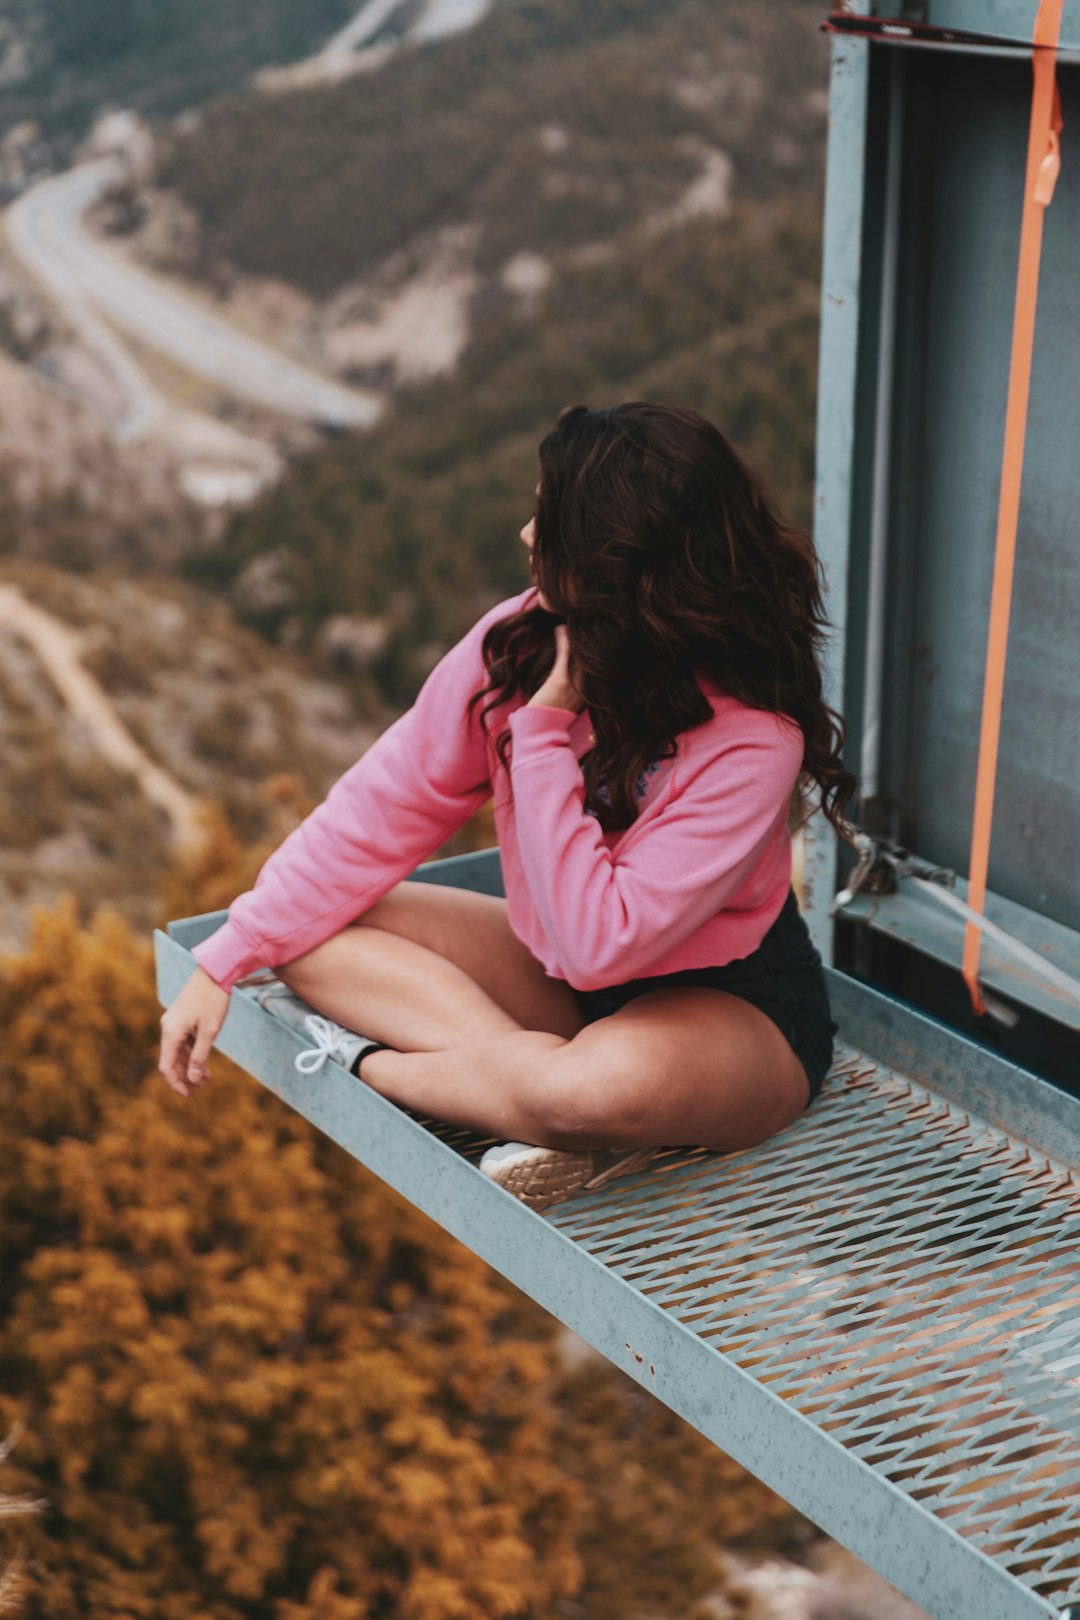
419 519
62 60
640 186
551 126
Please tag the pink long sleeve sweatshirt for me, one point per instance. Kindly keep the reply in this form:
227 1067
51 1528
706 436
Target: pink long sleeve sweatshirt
698 878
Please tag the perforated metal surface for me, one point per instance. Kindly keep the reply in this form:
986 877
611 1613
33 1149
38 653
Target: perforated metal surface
908 1280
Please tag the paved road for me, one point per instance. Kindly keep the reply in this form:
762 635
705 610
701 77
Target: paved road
144 410
350 51
444 17
45 229
438 19
367 21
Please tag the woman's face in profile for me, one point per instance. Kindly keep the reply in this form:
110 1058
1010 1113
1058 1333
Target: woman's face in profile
528 540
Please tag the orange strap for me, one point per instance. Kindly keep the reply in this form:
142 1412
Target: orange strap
1043 162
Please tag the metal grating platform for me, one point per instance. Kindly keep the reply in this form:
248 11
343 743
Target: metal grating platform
877 1312
907 1279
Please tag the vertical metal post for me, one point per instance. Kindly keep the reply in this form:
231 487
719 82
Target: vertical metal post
870 752
841 264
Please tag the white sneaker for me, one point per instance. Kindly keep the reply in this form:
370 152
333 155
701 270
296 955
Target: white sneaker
331 1040
541 1177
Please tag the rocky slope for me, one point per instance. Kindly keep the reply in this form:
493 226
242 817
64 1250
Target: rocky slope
223 716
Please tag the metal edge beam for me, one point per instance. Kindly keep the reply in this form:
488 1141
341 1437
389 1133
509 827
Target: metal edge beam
985 1085
876 609
918 1553
1002 18
845 175
935 36
480 870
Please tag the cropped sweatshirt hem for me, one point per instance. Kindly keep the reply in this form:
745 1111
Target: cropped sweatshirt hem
695 880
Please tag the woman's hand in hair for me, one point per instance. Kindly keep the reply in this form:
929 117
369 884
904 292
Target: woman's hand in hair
558 690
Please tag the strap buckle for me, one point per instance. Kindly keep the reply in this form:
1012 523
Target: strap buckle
880 866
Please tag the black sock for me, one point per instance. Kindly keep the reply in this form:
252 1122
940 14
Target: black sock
354 1067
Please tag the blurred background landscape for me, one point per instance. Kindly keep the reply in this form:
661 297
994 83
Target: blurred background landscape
288 296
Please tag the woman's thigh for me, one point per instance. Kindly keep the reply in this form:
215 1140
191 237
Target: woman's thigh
473 931
684 1066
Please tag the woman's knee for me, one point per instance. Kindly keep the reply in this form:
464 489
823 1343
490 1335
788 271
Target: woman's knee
296 972
395 912
309 965
473 932
592 1092
398 901
453 923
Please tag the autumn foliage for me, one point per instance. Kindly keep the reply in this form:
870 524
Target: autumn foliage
251 1381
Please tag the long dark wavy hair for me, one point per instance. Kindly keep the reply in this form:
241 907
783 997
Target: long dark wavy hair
664 554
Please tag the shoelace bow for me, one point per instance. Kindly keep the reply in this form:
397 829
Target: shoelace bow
330 1040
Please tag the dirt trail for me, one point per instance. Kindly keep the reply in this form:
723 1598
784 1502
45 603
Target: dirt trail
58 647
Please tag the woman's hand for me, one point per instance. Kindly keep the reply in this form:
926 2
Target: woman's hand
189 1029
558 690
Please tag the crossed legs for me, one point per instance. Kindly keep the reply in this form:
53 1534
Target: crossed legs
483 1038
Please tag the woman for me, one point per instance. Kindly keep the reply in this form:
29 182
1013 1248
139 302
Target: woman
642 715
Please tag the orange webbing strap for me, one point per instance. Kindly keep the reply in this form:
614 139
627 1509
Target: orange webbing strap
1043 162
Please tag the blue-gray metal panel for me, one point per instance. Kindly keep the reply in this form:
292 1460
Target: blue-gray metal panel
480 870
1007 18
837 1308
835 428
965 207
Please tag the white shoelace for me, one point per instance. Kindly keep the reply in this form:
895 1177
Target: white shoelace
330 1041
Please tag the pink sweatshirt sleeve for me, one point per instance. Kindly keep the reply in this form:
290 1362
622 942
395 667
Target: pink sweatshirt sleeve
611 917
411 790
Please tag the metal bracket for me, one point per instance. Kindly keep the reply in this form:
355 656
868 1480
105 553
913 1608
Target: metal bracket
880 867
881 864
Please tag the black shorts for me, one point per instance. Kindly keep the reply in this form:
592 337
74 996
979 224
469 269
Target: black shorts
784 977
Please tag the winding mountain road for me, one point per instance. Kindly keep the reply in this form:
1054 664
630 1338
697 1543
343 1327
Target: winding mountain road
350 50
98 290
46 232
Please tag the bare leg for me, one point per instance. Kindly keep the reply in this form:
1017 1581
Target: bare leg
497 1087
395 990
459 1055
675 1065
419 1002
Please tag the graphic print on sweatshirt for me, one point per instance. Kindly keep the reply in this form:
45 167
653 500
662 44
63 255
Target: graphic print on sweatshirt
641 786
